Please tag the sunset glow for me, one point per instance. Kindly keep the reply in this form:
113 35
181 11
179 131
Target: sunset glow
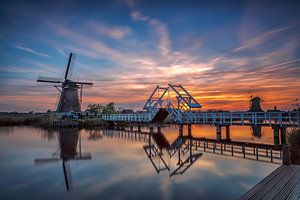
221 53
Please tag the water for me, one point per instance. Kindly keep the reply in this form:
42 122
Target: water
112 167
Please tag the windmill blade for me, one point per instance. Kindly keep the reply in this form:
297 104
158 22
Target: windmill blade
83 156
44 161
49 80
82 83
67 175
70 65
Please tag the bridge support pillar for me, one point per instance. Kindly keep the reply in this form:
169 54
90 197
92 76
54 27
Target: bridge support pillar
283 135
276 134
190 130
228 133
150 137
180 130
180 143
158 128
219 132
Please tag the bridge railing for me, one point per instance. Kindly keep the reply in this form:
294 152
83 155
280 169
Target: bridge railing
127 117
255 118
174 113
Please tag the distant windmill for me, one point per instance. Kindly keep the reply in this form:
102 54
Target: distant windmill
255 104
69 100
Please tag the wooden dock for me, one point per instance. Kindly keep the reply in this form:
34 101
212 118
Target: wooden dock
283 183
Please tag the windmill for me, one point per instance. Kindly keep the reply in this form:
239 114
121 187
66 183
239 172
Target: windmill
69 100
255 104
68 140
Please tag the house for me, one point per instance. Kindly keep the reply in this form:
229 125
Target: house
127 111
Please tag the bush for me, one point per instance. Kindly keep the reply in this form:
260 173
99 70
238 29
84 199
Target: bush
293 138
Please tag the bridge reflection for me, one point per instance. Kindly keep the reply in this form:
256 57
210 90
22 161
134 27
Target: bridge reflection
185 150
174 156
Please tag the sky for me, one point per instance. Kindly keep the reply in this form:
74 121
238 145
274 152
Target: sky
222 52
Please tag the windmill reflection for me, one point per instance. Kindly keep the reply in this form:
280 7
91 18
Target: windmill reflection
160 152
256 131
69 149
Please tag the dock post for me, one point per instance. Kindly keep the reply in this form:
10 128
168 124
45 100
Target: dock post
244 152
139 128
221 148
219 133
131 128
286 155
283 134
214 147
232 150
227 132
276 135
256 148
271 152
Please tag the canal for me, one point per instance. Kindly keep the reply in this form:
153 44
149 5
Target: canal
111 164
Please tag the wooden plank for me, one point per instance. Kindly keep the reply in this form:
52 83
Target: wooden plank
295 193
262 183
270 186
279 186
283 183
289 187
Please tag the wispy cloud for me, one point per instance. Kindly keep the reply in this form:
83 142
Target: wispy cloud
115 32
27 49
261 38
160 29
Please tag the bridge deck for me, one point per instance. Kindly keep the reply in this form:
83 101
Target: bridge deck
283 183
268 118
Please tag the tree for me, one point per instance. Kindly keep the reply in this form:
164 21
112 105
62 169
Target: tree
98 108
109 109
95 108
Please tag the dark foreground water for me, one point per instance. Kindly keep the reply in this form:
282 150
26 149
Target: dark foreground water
72 164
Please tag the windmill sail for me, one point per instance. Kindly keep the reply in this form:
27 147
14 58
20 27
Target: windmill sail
68 66
69 100
49 79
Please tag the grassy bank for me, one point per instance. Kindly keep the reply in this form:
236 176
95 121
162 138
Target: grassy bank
47 121
19 119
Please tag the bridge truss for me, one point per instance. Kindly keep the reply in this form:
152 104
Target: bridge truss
185 110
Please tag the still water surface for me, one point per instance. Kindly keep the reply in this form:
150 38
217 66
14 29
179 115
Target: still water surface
38 164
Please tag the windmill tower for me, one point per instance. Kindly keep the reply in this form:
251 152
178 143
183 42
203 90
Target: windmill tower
255 104
69 100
